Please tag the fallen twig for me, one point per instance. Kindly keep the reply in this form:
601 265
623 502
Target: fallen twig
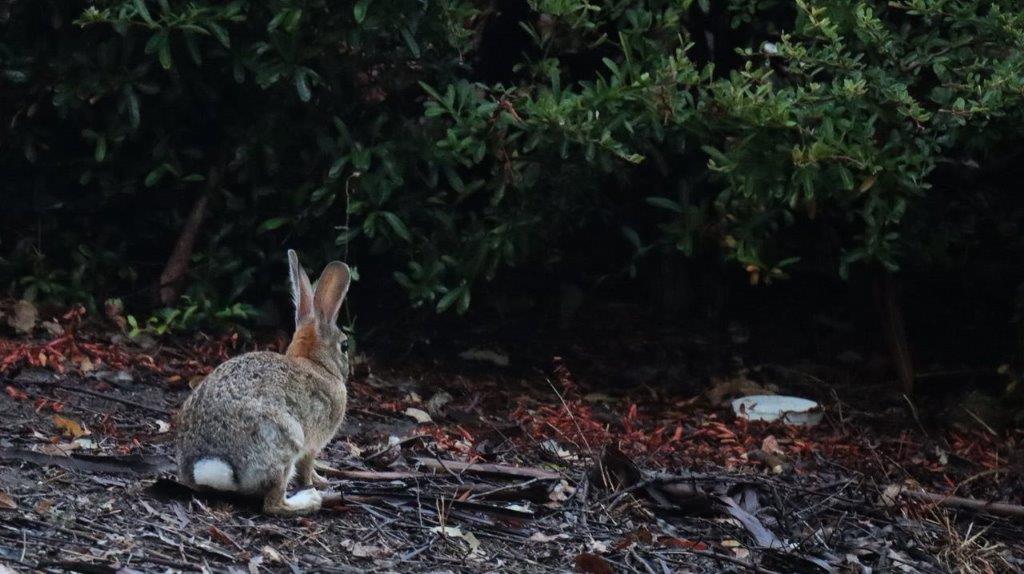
997 508
133 464
726 558
105 396
397 446
329 498
371 475
518 487
497 470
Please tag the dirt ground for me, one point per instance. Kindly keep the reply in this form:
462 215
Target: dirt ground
472 465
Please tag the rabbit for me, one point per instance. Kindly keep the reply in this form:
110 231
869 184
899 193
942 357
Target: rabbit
260 418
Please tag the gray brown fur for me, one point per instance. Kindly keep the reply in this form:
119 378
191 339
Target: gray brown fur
267 415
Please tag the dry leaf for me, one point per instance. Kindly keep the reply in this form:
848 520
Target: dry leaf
890 495
599 398
114 310
683 543
469 537
84 443
485 355
69 427
360 550
271 554
52 328
771 445
223 537
86 365
59 449
43 506
254 564
593 564
15 393
722 389
737 548
24 317
868 183
418 415
560 493
640 536
6 502
354 451
437 402
541 537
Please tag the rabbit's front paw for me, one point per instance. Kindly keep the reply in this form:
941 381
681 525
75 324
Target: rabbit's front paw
307 473
318 481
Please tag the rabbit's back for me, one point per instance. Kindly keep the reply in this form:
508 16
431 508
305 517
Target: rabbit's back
253 415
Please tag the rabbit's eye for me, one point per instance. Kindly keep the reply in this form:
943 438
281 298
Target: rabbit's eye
343 345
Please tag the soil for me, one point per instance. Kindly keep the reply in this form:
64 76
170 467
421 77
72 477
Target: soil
613 456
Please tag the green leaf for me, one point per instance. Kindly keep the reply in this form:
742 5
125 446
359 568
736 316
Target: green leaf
449 298
665 203
433 93
361 158
787 262
716 155
397 225
220 33
302 86
133 107
337 166
164 52
154 177
632 236
291 23
193 48
101 149
153 44
140 7
402 280
276 21
410 42
463 302
612 66
359 10
272 224
846 176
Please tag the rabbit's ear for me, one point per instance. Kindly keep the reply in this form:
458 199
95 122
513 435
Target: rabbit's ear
330 291
302 290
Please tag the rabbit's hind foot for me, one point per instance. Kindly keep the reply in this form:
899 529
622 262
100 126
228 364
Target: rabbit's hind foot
303 502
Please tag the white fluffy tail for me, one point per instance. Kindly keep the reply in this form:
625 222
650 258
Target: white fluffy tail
214 473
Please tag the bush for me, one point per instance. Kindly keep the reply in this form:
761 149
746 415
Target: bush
435 144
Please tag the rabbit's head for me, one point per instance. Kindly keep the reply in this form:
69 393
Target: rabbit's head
317 335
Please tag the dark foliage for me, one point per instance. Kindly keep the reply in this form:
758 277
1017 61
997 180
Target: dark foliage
440 145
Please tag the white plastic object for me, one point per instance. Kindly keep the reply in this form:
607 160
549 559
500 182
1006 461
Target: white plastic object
790 410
